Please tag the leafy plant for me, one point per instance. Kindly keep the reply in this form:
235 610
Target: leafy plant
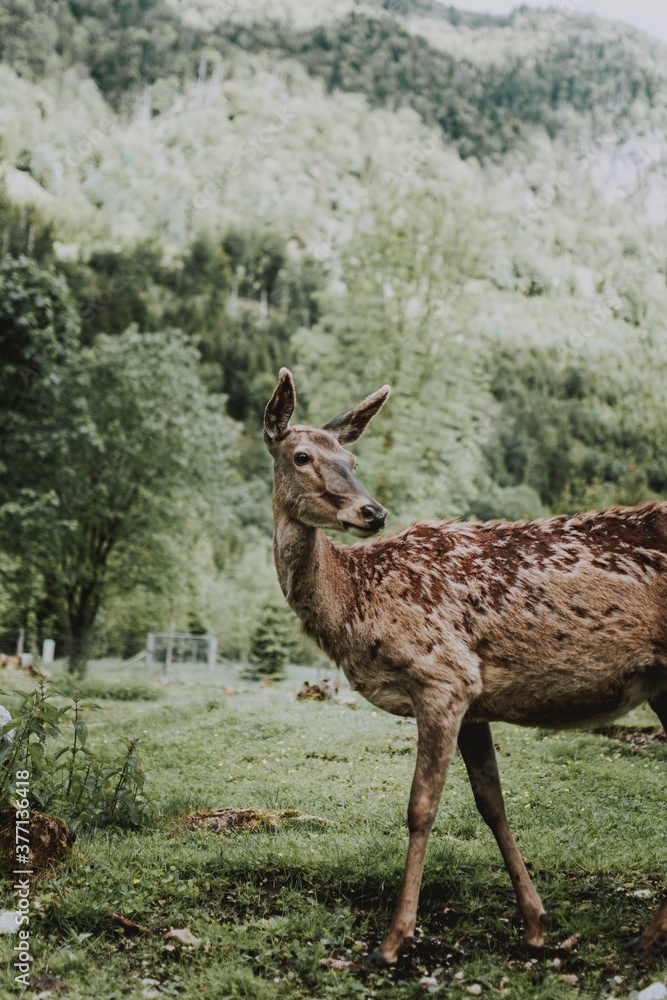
84 787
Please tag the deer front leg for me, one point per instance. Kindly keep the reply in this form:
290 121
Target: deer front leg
437 730
653 941
476 745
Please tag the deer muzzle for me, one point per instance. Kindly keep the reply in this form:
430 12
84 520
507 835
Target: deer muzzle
367 520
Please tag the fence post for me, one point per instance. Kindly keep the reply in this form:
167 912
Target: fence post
212 651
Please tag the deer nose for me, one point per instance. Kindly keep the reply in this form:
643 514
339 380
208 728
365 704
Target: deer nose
374 515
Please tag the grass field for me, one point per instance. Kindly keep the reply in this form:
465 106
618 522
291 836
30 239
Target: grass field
588 813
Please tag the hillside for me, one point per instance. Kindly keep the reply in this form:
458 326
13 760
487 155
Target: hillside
471 208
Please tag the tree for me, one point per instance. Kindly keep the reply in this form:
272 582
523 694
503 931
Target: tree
39 334
157 460
24 231
130 455
273 642
397 323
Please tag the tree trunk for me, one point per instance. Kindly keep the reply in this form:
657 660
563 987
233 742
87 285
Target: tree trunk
78 651
81 614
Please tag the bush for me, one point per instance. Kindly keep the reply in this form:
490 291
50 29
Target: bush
84 788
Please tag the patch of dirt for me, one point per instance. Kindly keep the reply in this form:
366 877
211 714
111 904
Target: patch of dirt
637 738
230 820
47 981
324 690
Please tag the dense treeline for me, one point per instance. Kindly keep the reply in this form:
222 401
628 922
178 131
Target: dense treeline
90 364
518 318
481 108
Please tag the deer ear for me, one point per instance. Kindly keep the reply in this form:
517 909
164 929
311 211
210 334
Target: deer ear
280 408
349 426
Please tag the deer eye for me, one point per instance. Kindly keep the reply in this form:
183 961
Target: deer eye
301 458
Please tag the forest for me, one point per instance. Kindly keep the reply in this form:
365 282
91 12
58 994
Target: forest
469 208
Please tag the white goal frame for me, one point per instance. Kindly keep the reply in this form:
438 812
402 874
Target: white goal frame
165 648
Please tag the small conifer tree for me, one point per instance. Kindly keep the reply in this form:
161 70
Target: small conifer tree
274 640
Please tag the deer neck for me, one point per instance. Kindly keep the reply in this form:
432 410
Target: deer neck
310 573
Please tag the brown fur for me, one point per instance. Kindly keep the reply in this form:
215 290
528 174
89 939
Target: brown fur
552 623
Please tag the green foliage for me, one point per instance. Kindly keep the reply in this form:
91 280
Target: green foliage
38 339
332 226
509 503
484 110
24 231
84 788
567 430
273 643
111 289
124 44
242 300
39 332
141 445
398 323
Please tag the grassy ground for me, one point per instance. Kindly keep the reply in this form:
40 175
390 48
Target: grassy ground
587 811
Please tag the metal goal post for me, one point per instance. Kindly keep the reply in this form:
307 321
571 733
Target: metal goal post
165 648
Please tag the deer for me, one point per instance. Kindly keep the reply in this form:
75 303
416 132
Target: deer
552 623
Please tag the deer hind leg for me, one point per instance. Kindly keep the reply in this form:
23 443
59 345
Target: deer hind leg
476 745
653 940
436 743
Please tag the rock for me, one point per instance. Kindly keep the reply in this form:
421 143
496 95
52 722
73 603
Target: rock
571 942
8 923
184 936
339 963
6 717
656 991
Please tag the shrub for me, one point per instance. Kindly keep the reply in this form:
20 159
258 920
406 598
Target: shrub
83 787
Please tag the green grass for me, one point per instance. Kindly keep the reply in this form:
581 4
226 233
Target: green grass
588 814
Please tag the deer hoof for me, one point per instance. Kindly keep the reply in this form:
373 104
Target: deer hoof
376 960
534 940
643 947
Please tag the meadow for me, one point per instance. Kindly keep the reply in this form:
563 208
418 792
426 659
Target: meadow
265 908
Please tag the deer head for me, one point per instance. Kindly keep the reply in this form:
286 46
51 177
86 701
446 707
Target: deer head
314 478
